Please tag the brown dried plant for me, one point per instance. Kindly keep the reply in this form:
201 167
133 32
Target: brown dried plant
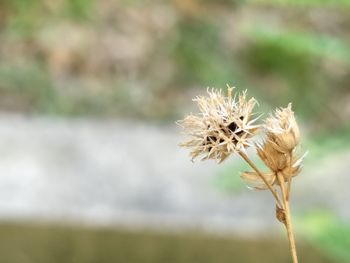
226 125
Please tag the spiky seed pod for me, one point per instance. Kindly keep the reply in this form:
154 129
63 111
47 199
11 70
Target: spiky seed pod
288 164
294 167
282 130
223 126
278 151
273 159
283 135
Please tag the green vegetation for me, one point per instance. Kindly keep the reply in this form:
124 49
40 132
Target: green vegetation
306 3
15 93
328 233
50 244
228 178
80 9
323 145
142 59
295 59
200 54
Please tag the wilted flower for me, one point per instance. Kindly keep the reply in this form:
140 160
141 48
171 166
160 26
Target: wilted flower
278 150
223 126
288 164
282 130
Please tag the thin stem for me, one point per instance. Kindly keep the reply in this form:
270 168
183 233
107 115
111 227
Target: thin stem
289 185
288 221
261 175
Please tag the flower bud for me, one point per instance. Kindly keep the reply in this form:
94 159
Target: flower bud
282 130
273 159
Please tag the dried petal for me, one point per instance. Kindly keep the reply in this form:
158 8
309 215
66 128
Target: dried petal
254 180
273 159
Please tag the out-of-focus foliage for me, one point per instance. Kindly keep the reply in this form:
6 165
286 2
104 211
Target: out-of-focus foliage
144 59
327 232
305 2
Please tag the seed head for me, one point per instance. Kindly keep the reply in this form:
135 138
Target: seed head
282 130
278 150
223 126
273 159
288 164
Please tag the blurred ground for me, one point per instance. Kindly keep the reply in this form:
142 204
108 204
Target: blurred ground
41 244
108 172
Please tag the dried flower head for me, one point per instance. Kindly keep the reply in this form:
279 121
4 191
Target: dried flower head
282 130
288 164
273 159
223 126
278 151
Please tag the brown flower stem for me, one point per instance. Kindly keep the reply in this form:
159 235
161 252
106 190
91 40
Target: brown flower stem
289 187
261 175
288 221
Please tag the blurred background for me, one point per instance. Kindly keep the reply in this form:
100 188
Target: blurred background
90 168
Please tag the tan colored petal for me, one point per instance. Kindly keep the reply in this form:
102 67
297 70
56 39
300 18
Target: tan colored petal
253 180
273 159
